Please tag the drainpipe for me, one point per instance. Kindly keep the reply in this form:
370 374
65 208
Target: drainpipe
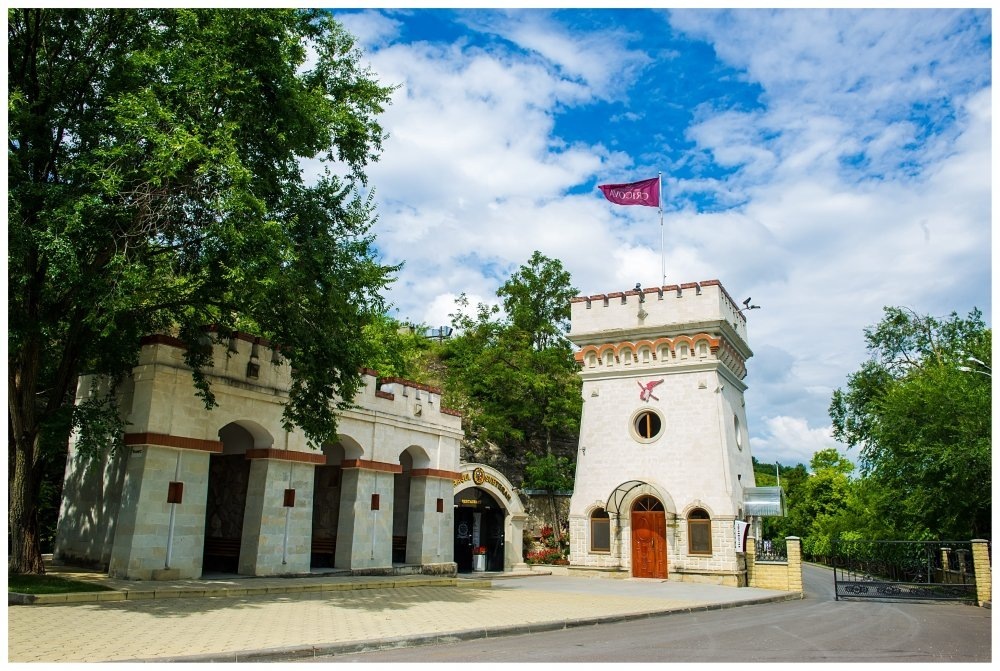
170 524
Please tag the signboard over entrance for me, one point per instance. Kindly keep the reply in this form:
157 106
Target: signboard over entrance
479 476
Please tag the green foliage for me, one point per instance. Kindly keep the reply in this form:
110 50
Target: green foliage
512 373
155 185
549 473
921 416
49 584
400 350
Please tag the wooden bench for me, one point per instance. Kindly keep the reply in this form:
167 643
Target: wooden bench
399 549
221 554
323 552
223 547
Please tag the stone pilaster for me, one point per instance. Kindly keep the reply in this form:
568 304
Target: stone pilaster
984 575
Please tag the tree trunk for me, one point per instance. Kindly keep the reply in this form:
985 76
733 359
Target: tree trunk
24 482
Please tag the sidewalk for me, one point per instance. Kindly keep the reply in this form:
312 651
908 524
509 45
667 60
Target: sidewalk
262 619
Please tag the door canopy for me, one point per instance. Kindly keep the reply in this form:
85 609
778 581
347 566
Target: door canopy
624 494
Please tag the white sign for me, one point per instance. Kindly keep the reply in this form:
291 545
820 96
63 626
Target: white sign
740 535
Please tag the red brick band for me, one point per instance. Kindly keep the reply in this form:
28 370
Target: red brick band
371 465
434 473
286 455
165 440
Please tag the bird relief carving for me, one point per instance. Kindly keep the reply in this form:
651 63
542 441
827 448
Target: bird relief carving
646 390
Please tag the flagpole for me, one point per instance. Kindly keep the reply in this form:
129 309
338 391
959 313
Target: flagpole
663 258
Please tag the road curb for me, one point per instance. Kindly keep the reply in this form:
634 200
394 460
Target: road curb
292 653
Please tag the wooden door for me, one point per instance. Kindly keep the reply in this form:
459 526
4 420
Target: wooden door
649 539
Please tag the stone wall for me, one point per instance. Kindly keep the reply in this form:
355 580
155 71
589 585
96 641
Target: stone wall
785 576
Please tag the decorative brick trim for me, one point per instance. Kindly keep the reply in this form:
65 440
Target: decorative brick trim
371 465
384 394
162 339
165 440
434 473
286 455
409 383
449 411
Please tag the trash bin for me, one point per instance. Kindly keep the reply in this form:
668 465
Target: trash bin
478 562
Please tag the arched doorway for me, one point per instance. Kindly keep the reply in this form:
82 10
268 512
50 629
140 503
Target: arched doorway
479 531
649 538
225 504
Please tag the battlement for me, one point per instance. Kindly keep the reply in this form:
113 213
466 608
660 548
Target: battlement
656 311
250 363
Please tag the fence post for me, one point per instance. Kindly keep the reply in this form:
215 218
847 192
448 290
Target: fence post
981 565
751 555
793 550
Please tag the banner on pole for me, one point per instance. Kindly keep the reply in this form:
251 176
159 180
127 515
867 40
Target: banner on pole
646 192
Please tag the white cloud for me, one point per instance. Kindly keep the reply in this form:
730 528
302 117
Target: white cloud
790 441
841 200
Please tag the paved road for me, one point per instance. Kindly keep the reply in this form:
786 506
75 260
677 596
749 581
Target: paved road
815 629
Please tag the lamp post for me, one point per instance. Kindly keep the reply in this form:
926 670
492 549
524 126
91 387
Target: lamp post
988 372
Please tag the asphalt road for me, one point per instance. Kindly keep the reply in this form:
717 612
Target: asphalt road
815 629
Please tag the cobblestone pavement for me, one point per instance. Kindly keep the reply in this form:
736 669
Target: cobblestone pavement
338 615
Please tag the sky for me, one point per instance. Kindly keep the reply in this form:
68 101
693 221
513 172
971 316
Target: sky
826 163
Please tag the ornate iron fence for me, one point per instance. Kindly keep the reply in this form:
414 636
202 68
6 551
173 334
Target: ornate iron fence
771 550
919 570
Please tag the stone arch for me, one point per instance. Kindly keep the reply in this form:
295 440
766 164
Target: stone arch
242 435
496 485
226 497
406 502
351 447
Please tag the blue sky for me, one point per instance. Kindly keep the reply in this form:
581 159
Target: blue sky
826 163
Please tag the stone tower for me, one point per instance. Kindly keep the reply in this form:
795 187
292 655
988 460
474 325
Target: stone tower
663 457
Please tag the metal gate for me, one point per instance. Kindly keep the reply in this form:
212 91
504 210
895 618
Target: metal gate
916 570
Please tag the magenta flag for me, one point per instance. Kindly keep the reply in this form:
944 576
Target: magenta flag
646 192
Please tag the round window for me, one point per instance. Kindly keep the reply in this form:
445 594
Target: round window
647 425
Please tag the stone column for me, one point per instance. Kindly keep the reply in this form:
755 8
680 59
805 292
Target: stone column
155 539
364 535
514 543
751 555
277 538
984 576
793 551
429 538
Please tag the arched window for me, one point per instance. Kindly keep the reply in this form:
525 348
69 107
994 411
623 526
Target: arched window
699 532
600 531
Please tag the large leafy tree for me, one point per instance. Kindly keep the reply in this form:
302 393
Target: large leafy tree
155 183
511 370
919 409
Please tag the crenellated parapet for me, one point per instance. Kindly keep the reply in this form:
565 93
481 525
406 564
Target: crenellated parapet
256 367
652 312
673 325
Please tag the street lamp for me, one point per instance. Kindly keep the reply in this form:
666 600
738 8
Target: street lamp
988 372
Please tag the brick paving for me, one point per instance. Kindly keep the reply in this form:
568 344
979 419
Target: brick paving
312 615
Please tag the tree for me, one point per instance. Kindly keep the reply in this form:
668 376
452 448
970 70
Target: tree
921 416
512 372
155 185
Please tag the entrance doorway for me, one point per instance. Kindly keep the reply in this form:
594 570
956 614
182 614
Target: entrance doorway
479 531
225 504
649 539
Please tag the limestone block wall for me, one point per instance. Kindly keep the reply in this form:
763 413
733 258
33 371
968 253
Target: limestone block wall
785 576
275 536
152 534
667 306
115 510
